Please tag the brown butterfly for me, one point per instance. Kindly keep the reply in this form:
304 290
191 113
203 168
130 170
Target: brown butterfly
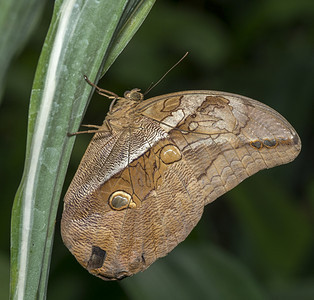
154 164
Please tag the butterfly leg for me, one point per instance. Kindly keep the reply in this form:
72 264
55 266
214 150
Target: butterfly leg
98 129
100 91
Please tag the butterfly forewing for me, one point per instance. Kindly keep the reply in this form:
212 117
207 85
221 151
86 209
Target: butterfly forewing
226 138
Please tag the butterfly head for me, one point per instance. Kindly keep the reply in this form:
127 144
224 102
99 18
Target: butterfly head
134 95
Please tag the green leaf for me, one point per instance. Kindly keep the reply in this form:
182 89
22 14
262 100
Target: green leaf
198 271
295 290
278 234
129 24
17 20
82 36
4 276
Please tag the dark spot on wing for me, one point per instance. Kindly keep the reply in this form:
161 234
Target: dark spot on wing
97 258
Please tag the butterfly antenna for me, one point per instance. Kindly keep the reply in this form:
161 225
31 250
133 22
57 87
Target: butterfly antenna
153 85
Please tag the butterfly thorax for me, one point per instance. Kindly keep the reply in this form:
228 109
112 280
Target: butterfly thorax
123 112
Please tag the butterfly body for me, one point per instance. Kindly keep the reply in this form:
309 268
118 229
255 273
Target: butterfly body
154 164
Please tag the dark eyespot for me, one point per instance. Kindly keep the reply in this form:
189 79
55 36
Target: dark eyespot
119 202
270 143
97 258
256 144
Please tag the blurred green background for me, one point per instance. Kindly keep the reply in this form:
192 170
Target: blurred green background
255 242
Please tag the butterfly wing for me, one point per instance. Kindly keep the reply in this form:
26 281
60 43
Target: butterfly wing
140 214
139 191
224 138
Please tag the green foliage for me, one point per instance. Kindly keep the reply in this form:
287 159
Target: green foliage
256 242
75 45
17 20
208 273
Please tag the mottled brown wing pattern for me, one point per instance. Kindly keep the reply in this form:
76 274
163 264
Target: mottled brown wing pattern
225 138
161 212
153 165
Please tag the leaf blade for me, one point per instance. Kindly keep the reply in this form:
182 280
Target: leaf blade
58 102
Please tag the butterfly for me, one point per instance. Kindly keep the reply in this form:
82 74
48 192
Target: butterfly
153 165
